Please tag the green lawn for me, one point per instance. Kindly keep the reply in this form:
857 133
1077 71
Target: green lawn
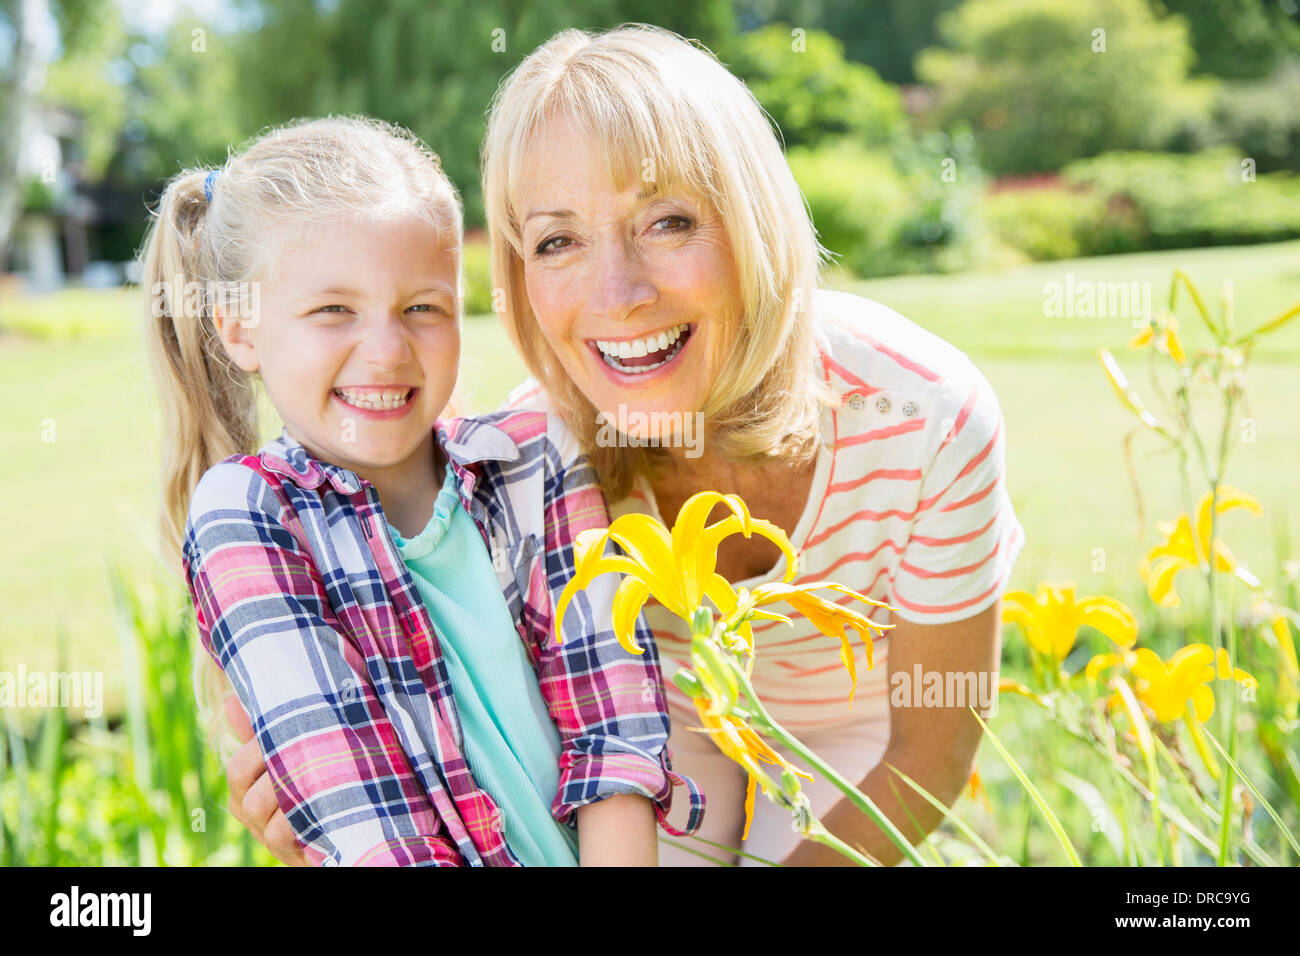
89 495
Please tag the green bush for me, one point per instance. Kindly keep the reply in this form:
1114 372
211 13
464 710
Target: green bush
478 277
1263 119
1206 199
810 90
909 209
1043 82
858 202
1054 221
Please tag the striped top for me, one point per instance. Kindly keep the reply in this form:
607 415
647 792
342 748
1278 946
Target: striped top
301 597
908 505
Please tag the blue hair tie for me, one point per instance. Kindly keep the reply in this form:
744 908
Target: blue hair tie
207 184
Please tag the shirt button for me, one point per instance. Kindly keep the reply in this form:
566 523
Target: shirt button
882 404
909 409
855 401
498 822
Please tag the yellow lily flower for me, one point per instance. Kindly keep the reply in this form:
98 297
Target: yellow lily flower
1183 548
1051 620
1167 687
742 744
1162 334
829 618
676 568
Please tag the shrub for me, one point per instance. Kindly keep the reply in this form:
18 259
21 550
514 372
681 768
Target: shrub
1042 82
858 202
1204 199
810 90
478 277
1055 221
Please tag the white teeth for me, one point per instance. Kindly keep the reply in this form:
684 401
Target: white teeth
666 342
379 401
659 342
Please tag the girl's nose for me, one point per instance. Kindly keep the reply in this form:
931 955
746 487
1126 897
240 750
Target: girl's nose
384 343
622 283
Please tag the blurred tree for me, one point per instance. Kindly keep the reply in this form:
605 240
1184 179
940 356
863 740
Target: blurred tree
813 93
1239 39
430 67
1042 82
884 34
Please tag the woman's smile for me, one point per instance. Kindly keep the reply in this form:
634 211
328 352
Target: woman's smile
645 358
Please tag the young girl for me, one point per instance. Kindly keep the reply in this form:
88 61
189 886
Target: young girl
377 583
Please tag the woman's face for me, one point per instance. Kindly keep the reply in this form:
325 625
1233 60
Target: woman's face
635 289
352 320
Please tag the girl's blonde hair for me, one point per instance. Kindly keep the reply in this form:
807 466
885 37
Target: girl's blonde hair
201 254
649 99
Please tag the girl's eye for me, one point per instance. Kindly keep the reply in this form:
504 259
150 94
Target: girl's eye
331 308
548 246
428 307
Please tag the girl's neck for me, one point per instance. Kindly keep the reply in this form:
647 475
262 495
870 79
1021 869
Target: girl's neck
407 491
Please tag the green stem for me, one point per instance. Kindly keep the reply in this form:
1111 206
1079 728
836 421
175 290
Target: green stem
855 796
821 835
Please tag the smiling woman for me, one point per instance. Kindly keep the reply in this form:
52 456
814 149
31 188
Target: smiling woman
659 265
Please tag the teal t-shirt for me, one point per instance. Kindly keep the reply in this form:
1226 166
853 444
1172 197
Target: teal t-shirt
510 740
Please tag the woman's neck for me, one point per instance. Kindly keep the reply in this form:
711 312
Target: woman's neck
775 489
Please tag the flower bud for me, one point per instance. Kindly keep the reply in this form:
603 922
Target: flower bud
688 683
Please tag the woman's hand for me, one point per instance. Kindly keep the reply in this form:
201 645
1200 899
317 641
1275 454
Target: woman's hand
618 831
935 746
252 797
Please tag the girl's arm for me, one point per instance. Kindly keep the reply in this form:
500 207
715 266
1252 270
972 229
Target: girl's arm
618 831
339 764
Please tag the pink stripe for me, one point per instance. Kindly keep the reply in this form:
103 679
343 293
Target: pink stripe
902 428
902 474
959 539
943 608
902 360
960 423
953 573
982 493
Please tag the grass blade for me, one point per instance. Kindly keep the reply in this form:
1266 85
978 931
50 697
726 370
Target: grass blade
1052 822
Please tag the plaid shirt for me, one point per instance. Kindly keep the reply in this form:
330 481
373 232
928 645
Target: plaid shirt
303 600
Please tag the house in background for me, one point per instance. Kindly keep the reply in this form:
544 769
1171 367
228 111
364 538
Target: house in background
54 240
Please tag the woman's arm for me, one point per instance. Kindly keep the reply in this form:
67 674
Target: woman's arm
935 746
264 616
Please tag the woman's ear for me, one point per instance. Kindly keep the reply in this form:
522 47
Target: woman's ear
236 340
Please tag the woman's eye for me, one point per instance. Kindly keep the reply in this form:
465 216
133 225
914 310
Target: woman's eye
549 246
427 307
332 308
681 222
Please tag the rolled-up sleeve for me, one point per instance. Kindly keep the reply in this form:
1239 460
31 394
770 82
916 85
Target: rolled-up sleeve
608 704
337 761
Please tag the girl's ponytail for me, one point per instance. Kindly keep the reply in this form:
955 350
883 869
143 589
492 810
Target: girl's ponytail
208 404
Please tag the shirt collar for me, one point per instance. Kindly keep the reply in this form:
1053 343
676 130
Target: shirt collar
466 443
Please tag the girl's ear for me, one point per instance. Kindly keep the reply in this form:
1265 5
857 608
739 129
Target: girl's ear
235 339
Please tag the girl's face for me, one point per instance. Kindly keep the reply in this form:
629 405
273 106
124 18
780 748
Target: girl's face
635 290
356 336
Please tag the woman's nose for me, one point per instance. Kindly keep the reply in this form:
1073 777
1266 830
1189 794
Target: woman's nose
623 282
384 342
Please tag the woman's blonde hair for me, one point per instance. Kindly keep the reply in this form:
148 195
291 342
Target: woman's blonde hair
648 98
206 253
